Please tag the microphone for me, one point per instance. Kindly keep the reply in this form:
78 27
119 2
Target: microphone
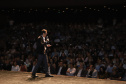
47 38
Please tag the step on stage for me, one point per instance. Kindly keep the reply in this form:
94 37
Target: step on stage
8 77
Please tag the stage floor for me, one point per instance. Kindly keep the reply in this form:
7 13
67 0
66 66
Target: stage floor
8 77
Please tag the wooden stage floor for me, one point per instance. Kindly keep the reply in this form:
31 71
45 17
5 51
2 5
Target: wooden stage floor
8 77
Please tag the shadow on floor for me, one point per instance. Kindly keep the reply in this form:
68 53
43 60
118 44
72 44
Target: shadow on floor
35 79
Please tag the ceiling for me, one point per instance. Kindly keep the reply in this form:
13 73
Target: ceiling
57 3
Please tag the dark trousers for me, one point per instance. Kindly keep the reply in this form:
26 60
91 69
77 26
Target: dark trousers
41 58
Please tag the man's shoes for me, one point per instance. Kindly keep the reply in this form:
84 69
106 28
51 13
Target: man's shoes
33 76
48 76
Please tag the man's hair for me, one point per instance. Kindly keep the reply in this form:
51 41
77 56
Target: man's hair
72 64
61 62
44 31
92 66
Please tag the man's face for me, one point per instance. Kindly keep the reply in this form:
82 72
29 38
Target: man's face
71 66
34 63
91 67
81 65
44 34
60 64
101 69
125 62
48 65
15 63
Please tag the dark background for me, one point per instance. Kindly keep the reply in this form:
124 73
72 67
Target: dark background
56 10
57 3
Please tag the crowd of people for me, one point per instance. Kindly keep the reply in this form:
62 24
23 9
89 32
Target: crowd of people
78 49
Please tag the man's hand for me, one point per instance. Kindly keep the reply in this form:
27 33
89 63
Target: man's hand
68 71
39 37
48 45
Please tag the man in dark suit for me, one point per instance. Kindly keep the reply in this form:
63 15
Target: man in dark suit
61 70
41 50
81 72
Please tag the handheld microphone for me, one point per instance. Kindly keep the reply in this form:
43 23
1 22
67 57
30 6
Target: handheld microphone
47 39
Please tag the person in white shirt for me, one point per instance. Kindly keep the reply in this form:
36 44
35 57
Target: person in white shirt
71 71
15 67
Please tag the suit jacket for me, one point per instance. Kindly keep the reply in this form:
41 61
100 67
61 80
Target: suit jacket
52 70
94 74
41 45
63 70
83 72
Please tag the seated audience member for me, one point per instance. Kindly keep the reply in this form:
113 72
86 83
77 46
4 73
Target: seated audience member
23 67
51 61
33 66
18 61
81 72
62 57
55 53
15 67
71 71
101 73
124 76
114 75
51 69
61 70
121 70
92 73
109 69
7 65
98 65
124 64
57 40
2 65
